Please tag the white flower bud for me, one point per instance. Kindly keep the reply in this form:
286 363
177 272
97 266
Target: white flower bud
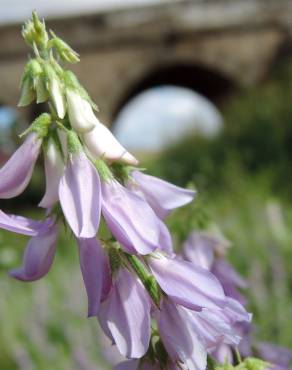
101 142
54 168
80 112
57 97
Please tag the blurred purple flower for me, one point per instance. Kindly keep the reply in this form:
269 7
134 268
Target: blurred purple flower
202 249
16 173
38 256
131 220
147 365
162 196
280 358
80 196
125 315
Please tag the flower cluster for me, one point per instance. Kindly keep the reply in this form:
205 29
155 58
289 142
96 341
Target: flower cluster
161 311
209 251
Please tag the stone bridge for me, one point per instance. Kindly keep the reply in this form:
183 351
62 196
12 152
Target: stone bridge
211 46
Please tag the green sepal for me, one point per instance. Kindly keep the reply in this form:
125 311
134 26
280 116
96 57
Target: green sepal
71 82
103 170
146 278
73 142
65 52
252 363
115 259
27 93
40 125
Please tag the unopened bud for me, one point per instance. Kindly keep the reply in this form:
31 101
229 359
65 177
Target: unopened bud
66 53
32 84
54 86
34 32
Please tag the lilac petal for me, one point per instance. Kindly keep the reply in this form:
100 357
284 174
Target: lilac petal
130 219
22 225
214 328
127 365
162 196
235 311
80 196
54 169
199 249
223 353
186 283
165 240
180 340
38 255
277 355
141 365
92 261
229 279
16 173
127 315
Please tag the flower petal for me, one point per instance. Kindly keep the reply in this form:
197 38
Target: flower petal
16 173
128 315
80 196
22 225
92 260
178 336
130 219
54 169
199 249
186 283
162 196
127 365
102 143
80 112
38 255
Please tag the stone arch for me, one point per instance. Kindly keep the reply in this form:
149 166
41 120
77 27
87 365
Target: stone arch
206 81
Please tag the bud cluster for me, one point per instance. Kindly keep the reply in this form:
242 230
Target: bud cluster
160 311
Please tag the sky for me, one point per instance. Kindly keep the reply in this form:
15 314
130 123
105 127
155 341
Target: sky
15 11
163 115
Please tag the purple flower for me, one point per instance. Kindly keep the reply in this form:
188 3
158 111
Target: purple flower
202 249
280 358
131 220
214 328
22 225
139 365
147 365
95 271
16 173
125 315
80 196
54 169
181 341
162 196
199 249
187 284
223 353
38 255
229 279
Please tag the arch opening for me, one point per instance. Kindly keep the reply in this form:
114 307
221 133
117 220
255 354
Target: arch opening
170 104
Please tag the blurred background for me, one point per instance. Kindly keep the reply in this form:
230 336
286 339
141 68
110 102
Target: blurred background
201 92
